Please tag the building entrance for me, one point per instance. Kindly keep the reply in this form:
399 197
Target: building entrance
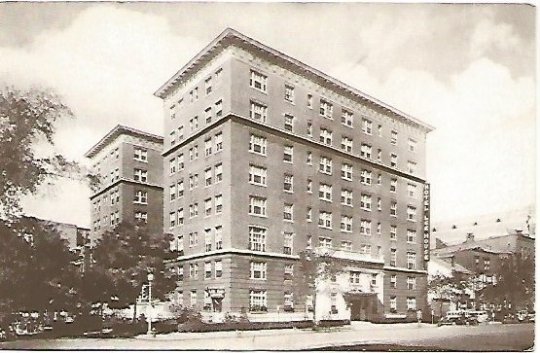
363 306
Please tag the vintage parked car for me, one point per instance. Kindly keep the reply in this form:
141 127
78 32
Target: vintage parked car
457 319
480 315
525 316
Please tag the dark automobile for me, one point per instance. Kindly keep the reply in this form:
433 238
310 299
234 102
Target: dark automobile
457 320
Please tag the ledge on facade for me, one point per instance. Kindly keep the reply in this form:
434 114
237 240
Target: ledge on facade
235 251
403 269
347 255
125 180
119 130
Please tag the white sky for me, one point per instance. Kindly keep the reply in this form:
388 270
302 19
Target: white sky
466 69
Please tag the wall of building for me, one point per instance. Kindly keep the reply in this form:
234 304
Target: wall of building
117 192
274 98
236 94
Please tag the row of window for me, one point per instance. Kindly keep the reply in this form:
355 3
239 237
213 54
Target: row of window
411 304
140 197
355 278
258 207
411 259
210 177
486 262
258 145
114 154
258 236
325 194
193 95
139 216
325 163
213 237
177 163
139 175
257 300
216 265
177 218
210 113
139 154
326 109
258 271
411 282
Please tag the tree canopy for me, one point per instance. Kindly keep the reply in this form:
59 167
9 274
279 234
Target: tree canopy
122 259
514 283
36 272
28 118
314 268
35 263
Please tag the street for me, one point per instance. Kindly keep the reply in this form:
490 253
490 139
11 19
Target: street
359 335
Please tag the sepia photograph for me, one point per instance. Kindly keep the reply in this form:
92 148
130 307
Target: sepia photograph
267 176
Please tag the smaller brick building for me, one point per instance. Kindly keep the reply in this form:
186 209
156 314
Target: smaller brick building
483 257
480 262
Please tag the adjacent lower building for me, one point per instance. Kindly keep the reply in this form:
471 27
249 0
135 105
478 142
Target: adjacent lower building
128 163
77 239
484 257
266 157
482 262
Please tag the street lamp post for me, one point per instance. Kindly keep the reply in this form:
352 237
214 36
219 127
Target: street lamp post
148 312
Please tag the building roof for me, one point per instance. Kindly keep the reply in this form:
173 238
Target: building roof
66 231
119 130
230 36
485 226
448 265
449 250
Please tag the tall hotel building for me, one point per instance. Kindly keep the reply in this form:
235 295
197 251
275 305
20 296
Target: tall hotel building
129 165
266 157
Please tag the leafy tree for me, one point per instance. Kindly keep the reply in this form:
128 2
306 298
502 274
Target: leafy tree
36 274
28 118
315 267
122 259
443 287
514 283
32 274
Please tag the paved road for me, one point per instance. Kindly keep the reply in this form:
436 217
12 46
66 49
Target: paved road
462 338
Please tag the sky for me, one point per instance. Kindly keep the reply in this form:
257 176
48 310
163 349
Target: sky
466 69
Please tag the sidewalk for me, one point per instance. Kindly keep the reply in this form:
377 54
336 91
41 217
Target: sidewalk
359 333
360 327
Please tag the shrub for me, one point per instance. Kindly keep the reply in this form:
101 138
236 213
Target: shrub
241 326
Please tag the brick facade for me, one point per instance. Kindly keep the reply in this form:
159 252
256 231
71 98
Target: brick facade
117 160
227 74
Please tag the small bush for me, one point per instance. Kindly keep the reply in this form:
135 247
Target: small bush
187 314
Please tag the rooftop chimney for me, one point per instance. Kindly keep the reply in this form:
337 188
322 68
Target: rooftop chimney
470 238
